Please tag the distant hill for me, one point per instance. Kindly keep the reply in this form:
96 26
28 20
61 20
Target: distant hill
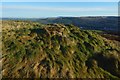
107 23
23 19
93 23
34 50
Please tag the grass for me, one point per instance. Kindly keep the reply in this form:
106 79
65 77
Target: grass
55 50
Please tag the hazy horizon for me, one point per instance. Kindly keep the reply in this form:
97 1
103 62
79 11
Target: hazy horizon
62 16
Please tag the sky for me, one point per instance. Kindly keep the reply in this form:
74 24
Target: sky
57 9
60 0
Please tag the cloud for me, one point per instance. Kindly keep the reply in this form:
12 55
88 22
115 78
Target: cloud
60 9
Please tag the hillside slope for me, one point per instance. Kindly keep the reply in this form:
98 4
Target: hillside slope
33 50
94 23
